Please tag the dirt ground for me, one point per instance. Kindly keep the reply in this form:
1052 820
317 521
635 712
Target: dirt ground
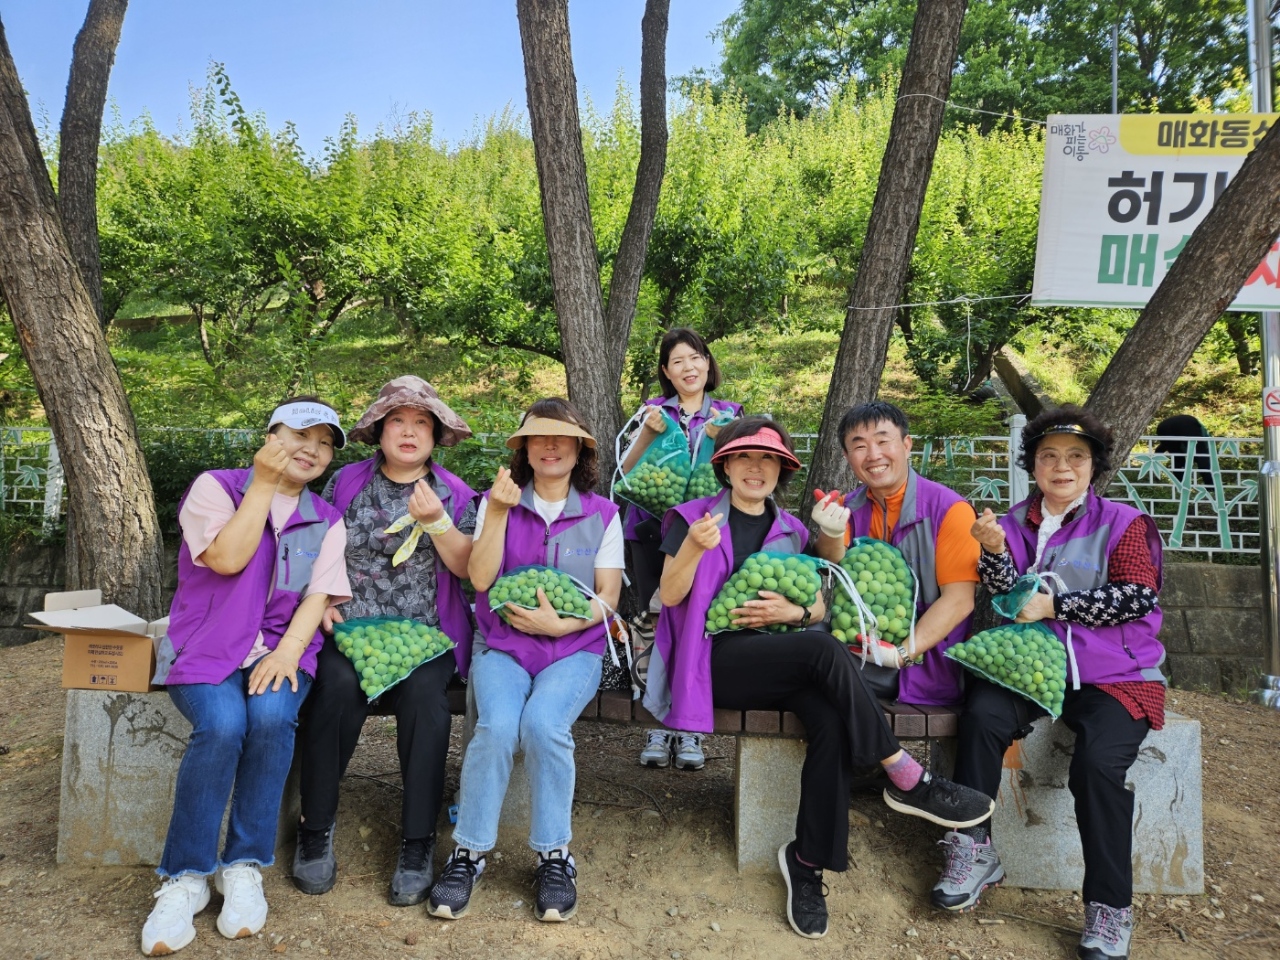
654 850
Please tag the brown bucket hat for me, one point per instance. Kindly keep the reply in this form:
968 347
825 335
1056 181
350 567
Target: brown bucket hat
410 391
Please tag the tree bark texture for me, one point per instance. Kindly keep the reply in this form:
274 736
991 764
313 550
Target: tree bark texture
891 229
113 534
81 131
594 344
1223 250
628 267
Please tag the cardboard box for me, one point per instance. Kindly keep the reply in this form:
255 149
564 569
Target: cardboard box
107 647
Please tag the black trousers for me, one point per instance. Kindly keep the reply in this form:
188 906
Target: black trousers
335 713
646 563
812 675
1107 742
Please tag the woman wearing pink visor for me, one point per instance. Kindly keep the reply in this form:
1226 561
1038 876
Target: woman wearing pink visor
805 670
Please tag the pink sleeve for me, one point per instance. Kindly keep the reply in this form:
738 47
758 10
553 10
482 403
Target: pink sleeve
206 511
329 571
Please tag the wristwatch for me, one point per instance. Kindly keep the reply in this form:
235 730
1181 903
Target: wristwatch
907 659
804 620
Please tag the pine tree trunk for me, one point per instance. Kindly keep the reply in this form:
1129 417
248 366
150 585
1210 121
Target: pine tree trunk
1221 253
594 345
891 230
114 536
81 131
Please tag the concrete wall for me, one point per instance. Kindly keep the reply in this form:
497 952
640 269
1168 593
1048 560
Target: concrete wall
31 572
1213 626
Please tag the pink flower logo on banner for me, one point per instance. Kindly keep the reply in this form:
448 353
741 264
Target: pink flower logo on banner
1101 139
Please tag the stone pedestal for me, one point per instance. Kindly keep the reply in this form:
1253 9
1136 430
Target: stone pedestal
1035 825
766 796
119 764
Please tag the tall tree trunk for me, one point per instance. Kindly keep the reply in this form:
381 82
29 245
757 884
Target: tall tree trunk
891 230
1223 250
628 267
114 537
594 346
95 52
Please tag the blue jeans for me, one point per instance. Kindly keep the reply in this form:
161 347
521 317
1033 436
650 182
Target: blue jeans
237 741
534 714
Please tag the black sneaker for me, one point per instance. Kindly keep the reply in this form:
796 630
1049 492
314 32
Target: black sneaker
315 869
945 803
411 882
556 887
451 894
806 894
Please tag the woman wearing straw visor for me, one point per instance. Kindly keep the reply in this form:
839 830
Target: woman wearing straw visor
532 674
1103 560
806 671
408 570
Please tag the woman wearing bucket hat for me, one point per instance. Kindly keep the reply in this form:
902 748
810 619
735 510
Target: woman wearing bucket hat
688 374
259 561
407 421
532 674
806 671
1104 562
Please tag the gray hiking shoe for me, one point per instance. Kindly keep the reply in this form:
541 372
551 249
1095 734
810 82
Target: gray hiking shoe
968 868
411 882
688 751
314 866
1107 931
657 749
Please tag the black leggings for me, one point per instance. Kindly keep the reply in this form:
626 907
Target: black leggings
811 674
335 713
1107 742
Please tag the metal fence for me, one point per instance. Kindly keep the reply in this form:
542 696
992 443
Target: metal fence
1202 492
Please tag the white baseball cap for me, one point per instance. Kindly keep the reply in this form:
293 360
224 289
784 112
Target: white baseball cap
301 414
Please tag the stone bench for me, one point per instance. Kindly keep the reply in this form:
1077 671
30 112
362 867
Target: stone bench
769 755
121 755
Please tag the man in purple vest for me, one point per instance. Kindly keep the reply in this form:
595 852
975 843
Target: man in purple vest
930 525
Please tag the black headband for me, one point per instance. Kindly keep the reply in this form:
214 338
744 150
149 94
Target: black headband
1073 428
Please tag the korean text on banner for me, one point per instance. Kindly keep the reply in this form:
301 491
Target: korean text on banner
1121 196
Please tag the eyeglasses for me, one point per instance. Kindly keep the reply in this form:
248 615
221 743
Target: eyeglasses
1052 458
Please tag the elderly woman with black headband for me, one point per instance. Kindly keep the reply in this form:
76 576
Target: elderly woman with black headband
806 671
1106 560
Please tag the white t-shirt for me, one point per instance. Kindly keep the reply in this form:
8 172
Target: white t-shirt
612 555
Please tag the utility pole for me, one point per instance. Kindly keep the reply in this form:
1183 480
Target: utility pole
1261 73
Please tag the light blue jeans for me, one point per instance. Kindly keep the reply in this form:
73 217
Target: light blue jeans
533 714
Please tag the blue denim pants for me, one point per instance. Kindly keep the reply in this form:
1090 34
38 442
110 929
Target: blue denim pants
241 746
533 714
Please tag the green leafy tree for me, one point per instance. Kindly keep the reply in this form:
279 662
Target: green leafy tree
1015 56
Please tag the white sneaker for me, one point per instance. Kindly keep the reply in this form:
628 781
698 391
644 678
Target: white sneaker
169 927
244 908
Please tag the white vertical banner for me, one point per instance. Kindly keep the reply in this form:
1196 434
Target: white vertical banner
1121 197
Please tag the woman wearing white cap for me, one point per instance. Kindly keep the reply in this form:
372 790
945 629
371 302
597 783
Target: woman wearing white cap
260 560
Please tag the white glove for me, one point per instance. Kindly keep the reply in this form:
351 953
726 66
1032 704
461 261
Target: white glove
831 517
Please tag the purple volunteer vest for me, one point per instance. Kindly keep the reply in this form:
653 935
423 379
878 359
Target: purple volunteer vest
451 602
1078 553
678 689
215 618
571 544
938 680
671 406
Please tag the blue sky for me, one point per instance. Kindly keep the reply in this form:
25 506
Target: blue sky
314 61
